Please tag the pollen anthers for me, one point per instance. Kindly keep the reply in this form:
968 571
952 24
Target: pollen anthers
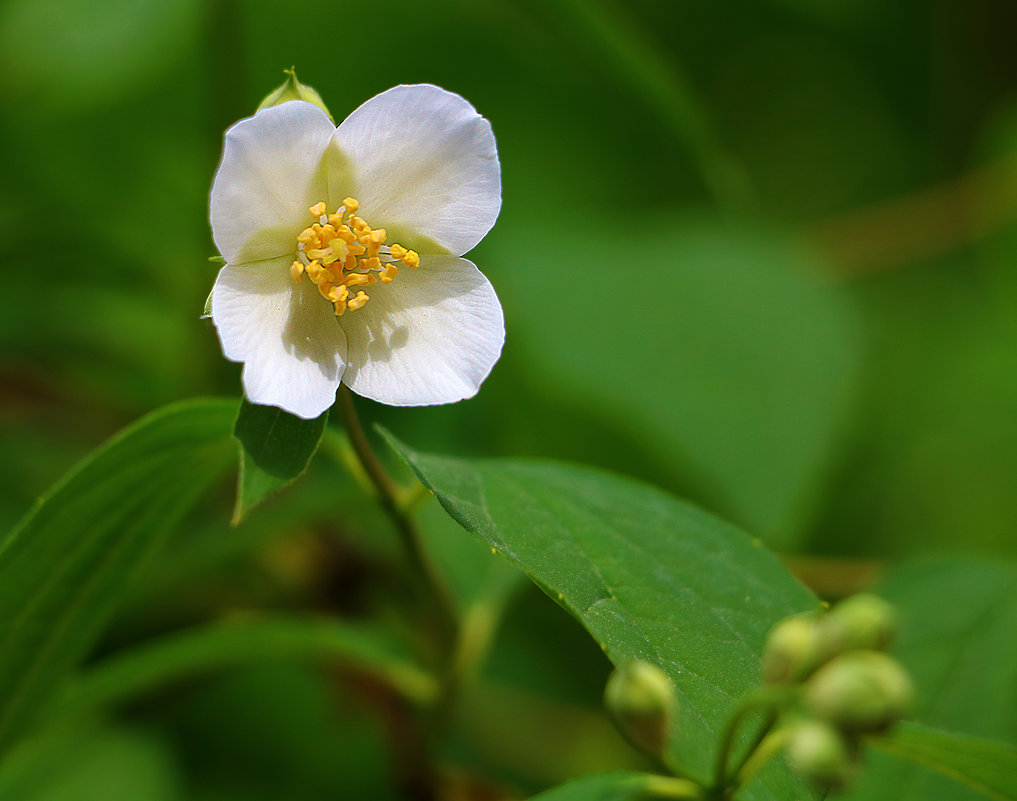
341 254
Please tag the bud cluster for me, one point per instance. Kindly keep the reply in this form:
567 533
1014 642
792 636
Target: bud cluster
848 686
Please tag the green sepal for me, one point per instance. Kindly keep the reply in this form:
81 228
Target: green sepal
292 89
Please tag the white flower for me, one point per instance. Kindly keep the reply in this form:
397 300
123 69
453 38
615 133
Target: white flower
321 228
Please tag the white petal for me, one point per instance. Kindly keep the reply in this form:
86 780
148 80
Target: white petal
422 160
285 333
272 170
431 336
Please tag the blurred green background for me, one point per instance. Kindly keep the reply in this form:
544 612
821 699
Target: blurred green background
758 252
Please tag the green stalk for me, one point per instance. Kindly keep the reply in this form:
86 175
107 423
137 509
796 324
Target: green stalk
390 497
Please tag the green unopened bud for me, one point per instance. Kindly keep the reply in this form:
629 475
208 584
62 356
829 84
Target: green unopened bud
860 691
292 89
821 754
640 698
790 651
860 622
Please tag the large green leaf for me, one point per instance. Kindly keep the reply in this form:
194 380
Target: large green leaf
985 765
72 558
649 576
957 624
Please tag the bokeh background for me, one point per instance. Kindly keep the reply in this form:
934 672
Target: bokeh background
760 253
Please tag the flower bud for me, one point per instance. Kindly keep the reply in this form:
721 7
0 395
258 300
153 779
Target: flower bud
860 622
790 651
640 698
292 89
821 754
860 691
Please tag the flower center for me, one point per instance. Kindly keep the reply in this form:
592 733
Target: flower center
341 254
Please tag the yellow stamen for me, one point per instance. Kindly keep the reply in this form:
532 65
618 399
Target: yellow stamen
344 252
319 274
340 248
360 279
333 293
358 301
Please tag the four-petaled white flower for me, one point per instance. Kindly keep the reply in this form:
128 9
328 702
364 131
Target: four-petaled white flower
343 251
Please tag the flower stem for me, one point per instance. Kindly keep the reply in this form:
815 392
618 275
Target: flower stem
765 699
764 730
768 746
389 497
669 787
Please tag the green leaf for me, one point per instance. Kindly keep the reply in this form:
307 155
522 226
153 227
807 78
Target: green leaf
734 365
276 448
962 653
91 764
957 619
986 765
74 556
649 576
619 787
228 644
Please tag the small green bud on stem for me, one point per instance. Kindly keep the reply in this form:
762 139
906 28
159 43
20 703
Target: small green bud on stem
790 652
292 89
821 754
861 622
640 698
860 691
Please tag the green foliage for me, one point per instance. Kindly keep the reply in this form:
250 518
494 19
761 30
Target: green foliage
649 577
128 44
758 254
96 763
692 358
65 567
985 765
217 647
616 787
957 619
281 730
276 448
956 639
